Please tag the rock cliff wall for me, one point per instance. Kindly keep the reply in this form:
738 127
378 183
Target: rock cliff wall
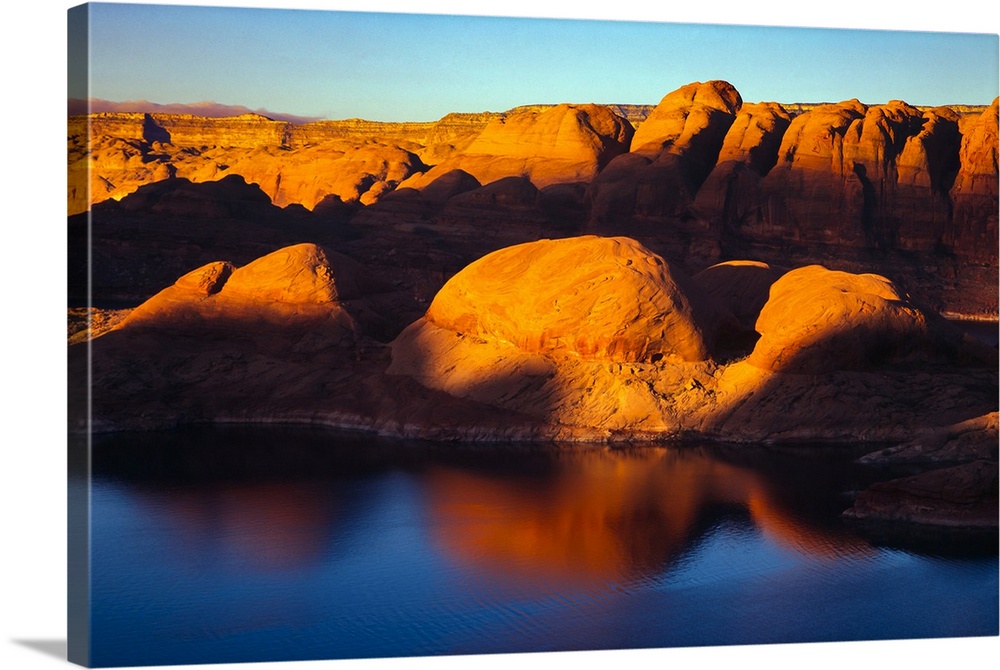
905 190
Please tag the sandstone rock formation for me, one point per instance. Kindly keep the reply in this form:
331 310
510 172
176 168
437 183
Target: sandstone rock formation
117 152
449 185
838 335
975 191
731 192
601 298
691 121
287 290
671 154
958 498
574 339
230 197
848 174
818 320
909 192
974 439
566 143
532 328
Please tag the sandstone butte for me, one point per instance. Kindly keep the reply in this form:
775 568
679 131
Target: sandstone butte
710 175
564 144
891 171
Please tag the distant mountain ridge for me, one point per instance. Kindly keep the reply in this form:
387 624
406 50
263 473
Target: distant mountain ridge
634 113
208 109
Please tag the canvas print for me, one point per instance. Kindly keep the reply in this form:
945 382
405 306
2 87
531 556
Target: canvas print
412 335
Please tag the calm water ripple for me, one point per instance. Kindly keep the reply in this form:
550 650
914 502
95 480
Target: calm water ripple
243 545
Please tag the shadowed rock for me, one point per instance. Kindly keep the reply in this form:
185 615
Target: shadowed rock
449 185
975 192
962 497
738 291
974 439
867 177
755 136
230 197
741 287
731 192
506 192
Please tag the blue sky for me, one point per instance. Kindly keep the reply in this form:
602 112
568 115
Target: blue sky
419 67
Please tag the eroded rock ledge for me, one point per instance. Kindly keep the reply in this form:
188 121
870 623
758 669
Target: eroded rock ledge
577 339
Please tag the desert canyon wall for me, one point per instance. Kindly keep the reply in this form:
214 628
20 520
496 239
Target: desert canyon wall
699 178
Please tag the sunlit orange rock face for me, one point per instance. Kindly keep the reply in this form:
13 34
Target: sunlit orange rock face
307 175
567 143
533 328
818 320
353 160
671 154
593 297
289 287
693 119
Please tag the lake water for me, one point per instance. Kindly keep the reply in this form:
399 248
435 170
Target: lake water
243 544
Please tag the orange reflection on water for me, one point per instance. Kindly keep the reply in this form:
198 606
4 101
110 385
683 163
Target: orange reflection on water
604 515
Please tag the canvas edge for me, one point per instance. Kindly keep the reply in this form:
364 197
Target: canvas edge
78 397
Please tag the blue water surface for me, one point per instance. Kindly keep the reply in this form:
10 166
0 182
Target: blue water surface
246 545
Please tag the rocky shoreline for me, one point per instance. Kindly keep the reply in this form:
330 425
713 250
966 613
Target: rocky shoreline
616 348
741 273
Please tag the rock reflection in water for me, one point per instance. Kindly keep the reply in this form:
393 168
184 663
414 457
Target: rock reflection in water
243 544
275 501
609 514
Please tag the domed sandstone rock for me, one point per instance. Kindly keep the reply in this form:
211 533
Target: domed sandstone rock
284 289
818 320
566 143
592 297
694 117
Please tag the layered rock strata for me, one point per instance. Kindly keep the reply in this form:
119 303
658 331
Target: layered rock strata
904 191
